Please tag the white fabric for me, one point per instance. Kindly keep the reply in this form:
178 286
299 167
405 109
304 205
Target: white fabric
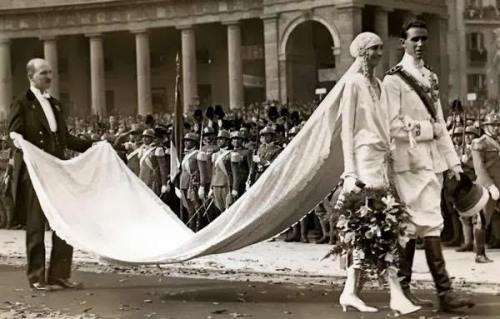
46 107
96 203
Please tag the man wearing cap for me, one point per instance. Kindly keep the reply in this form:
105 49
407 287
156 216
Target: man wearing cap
467 223
486 159
241 161
147 170
221 167
422 152
190 180
204 161
266 153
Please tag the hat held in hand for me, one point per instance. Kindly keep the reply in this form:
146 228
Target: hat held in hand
469 197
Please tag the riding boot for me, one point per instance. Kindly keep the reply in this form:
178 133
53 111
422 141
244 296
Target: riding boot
448 299
303 231
293 233
406 256
467 232
456 231
333 231
480 239
324 231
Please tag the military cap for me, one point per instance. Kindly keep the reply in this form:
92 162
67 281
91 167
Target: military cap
492 119
244 132
161 130
135 129
209 112
457 130
149 132
267 130
236 134
198 113
223 134
208 131
192 136
472 130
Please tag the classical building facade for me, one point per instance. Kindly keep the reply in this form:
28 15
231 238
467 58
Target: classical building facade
475 37
119 56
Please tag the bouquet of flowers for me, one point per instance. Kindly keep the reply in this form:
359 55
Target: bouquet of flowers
370 223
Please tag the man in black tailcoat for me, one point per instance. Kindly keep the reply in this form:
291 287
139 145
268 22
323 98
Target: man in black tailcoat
39 118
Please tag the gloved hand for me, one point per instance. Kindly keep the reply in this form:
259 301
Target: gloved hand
464 158
234 193
247 185
165 189
455 172
201 192
210 193
350 185
494 192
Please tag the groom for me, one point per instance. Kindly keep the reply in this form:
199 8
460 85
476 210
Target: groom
423 152
39 118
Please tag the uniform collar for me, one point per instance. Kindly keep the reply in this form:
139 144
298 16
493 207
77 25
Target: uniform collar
410 62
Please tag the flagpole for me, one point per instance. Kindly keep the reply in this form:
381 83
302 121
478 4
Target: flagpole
179 119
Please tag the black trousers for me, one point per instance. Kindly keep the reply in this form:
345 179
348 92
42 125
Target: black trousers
61 255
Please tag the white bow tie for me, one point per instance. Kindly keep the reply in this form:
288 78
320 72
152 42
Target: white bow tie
46 95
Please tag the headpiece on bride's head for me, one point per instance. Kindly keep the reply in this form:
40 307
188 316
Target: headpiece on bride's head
361 44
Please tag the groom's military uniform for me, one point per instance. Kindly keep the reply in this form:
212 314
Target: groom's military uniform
421 154
46 129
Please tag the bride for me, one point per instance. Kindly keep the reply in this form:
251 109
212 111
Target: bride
365 145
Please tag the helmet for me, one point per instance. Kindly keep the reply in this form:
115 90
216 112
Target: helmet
208 131
457 131
236 134
223 134
472 130
492 119
267 130
149 132
192 136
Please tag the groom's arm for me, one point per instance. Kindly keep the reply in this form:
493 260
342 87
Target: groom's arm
401 123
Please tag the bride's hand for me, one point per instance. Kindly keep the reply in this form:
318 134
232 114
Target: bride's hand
350 185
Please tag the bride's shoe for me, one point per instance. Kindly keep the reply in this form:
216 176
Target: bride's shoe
399 304
350 300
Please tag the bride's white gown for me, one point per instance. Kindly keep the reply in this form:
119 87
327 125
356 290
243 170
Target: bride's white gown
365 131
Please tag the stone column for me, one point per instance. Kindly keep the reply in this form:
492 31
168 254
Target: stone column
143 62
189 69
5 78
97 78
271 41
382 29
50 54
235 67
78 76
348 21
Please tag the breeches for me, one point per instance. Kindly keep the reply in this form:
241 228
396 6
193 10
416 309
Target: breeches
421 192
220 197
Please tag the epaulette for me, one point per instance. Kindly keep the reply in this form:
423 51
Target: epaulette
476 144
394 69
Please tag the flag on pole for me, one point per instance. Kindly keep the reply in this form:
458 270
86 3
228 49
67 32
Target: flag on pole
176 140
